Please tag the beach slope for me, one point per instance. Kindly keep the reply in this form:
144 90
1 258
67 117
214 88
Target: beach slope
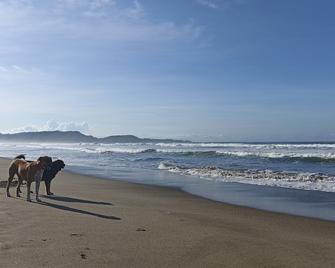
92 222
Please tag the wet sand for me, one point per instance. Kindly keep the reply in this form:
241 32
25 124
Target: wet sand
92 222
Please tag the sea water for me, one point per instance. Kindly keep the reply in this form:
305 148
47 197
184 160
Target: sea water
297 178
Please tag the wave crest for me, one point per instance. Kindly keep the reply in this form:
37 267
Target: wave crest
297 180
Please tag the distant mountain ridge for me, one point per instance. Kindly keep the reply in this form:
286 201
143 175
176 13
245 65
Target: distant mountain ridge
76 136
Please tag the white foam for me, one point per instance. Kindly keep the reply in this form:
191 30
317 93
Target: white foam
324 155
305 181
251 145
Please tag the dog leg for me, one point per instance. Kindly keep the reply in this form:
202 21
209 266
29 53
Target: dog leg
28 191
37 187
11 173
47 187
18 190
10 179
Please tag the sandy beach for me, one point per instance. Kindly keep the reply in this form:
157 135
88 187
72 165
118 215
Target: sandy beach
92 222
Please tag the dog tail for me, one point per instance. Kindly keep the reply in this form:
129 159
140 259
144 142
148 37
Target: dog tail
21 156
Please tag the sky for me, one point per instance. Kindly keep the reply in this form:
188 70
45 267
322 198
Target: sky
210 70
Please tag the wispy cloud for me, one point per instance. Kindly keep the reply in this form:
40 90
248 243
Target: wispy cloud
136 11
56 55
102 19
18 77
14 72
219 4
53 125
208 3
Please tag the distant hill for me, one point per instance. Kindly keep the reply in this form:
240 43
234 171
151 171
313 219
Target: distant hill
75 137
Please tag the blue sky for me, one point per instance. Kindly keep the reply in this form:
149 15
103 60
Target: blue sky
200 69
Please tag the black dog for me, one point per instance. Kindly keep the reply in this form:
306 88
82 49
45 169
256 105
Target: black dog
49 173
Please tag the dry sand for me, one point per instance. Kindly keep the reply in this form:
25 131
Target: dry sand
100 223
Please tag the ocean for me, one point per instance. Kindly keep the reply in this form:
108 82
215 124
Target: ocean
294 178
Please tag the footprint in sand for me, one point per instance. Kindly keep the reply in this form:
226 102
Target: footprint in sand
83 256
4 245
77 235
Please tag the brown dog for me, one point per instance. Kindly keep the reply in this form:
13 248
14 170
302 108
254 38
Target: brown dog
28 172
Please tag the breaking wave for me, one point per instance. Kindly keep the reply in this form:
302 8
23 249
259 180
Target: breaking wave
313 153
253 145
283 156
296 180
287 155
263 164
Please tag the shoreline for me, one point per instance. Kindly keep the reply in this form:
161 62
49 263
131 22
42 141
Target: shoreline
95 222
279 200
179 189
295 202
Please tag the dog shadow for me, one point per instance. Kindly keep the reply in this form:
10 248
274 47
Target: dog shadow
75 200
76 210
3 184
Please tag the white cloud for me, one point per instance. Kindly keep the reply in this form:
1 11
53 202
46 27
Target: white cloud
53 125
16 70
94 19
23 129
13 77
91 4
208 3
220 4
137 11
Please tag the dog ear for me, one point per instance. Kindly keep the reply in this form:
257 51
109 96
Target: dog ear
45 159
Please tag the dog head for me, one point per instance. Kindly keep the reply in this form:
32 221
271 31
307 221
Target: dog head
52 170
58 165
45 161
